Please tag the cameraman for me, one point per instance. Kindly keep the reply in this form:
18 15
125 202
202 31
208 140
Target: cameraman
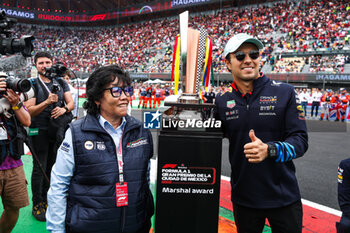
42 107
13 184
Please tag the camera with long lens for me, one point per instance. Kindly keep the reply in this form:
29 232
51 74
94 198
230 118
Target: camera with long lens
57 70
9 45
17 84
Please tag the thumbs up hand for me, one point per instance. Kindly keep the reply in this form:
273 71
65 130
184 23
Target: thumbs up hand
255 151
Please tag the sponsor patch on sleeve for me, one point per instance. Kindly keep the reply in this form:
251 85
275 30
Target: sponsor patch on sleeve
340 175
65 147
301 114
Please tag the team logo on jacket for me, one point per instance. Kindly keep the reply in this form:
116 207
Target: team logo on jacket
89 145
136 143
231 103
100 146
268 100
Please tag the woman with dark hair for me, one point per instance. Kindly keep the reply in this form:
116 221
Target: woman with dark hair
99 182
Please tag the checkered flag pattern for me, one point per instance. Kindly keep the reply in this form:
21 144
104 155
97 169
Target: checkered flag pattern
201 51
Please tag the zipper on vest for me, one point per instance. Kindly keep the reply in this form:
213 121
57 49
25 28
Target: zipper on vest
123 218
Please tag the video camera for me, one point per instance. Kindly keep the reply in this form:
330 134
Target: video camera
57 70
9 45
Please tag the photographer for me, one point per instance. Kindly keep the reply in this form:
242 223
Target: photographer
52 100
13 187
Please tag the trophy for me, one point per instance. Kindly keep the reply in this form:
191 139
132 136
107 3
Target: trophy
191 46
189 144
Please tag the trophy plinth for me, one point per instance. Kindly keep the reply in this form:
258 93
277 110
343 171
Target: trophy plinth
187 98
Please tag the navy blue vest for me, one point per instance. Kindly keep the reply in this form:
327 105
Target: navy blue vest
91 202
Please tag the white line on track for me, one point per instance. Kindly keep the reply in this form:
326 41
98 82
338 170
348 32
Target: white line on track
308 203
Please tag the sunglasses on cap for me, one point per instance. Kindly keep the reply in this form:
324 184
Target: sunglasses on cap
240 56
117 91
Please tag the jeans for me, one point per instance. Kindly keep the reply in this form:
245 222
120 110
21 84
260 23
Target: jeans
304 105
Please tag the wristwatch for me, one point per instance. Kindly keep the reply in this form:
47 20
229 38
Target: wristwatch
18 106
65 107
271 151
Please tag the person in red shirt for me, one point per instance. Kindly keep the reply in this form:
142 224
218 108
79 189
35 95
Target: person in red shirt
343 99
157 93
148 98
326 101
142 94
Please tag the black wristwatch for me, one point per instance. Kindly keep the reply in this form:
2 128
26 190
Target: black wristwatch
65 107
271 151
18 106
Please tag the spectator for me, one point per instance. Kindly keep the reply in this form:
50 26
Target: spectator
316 99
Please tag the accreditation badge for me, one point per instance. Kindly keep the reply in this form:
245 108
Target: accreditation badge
33 131
122 194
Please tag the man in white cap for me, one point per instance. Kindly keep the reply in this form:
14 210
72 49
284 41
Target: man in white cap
265 125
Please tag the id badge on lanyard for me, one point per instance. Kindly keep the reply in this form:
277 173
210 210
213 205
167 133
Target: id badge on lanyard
121 187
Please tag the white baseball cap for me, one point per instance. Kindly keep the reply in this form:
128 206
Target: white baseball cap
236 41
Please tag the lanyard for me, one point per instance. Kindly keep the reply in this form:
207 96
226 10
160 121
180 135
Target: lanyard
120 161
44 85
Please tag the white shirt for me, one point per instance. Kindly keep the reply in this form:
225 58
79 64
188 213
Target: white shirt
316 96
304 96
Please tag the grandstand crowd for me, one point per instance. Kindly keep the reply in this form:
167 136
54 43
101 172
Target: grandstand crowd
333 105
284 27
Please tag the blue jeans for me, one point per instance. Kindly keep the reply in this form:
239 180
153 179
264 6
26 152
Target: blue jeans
304 105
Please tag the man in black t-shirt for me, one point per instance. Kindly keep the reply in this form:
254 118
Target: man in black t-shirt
52 100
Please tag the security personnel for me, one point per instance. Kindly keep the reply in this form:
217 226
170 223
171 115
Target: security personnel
344 195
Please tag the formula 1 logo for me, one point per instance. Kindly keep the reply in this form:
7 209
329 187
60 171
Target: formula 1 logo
120 199
151 120
98 17
170 165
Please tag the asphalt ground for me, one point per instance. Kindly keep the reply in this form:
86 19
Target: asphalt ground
316 171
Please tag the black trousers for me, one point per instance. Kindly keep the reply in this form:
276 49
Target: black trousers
144 229
344 225
286 219
315 105
45 150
